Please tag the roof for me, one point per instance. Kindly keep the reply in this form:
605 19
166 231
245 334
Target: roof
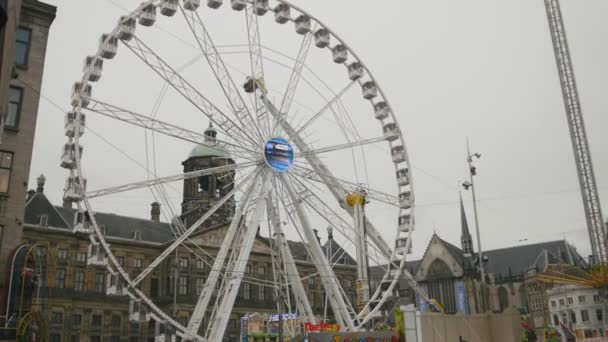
116 226
201 150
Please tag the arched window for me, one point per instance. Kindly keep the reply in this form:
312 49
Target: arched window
503 298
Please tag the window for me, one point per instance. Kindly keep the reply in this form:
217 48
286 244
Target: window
75 338
57 317
311 282
199 285
584 316
182 286
599 314
137 263
76 320
553 304
203 184
62 254
116 321
597 299
246 290
200 264
100 282
573 317
183 262
55 337
96 320
15 105
114 338
154 290
44 220
79 281
581 299
121 260
232 324
95 339
555 321
570 300
22 46
81 257
248 269
6 163
261 292
562 302
133 339
60 279
345 261
262 270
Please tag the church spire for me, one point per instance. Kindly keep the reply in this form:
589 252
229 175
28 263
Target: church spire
465 238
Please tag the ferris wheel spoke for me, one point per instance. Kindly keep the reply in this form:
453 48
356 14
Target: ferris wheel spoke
328 277
340 147
236 267
180 240
184 88
325 107
296 75
231 91
144 121
168 179
348 187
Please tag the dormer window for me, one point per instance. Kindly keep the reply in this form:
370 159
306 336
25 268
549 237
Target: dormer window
44 220
136 235
345 261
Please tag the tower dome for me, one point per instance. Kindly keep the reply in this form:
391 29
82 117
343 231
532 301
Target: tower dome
210 148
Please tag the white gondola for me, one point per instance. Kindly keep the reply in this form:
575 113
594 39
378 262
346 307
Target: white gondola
391 131
147 17
76 95
96 255
339 54
381 110
74 187
355 71
94 67
127 28
302 24
70 123
322 38
163 332
215 4
282 13
115 284
398 154
68 156
238 5
260 7
400 245
137 311
108 45
369 90
82 222
192 5
405 200
169 7
403 178
404 223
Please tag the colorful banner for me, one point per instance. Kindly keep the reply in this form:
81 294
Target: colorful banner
461 297
383 336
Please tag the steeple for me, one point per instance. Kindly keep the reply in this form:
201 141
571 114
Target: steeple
465 238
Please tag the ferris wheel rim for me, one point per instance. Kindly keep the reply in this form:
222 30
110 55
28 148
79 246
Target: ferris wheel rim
78 172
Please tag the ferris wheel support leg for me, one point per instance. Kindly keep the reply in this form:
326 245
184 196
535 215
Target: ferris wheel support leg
293 276
328 277
235 273
211 283
362 262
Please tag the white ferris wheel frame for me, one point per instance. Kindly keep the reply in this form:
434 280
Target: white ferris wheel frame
264 111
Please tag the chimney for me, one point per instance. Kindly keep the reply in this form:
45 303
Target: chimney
330 233
155 212
30 194
67 204
41 181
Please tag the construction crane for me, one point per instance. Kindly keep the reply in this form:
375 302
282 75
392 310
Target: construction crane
580 145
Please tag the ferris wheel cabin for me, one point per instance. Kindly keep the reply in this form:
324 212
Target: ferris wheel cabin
84 101
381 110
108 45
192 5
322 38
96 255
282 13
148 15
168 8
391 131
68 157
302 24
94 67
127 28
71 122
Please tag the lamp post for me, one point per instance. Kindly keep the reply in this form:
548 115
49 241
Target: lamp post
471 185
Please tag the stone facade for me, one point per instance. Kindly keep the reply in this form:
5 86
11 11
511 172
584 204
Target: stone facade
577 309
36 17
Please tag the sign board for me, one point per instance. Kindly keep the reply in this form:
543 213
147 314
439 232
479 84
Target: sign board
278 154
376 336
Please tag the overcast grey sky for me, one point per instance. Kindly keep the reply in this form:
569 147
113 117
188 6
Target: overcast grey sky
451 69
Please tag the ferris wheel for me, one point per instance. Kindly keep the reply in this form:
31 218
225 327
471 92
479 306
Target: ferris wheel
285 166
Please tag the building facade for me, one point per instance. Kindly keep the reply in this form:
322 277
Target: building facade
22 78
576 311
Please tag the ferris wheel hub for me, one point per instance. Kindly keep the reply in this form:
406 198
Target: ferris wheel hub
278 154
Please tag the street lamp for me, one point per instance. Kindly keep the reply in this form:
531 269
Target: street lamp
470 185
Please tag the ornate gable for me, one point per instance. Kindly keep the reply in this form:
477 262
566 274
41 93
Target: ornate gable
440 260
